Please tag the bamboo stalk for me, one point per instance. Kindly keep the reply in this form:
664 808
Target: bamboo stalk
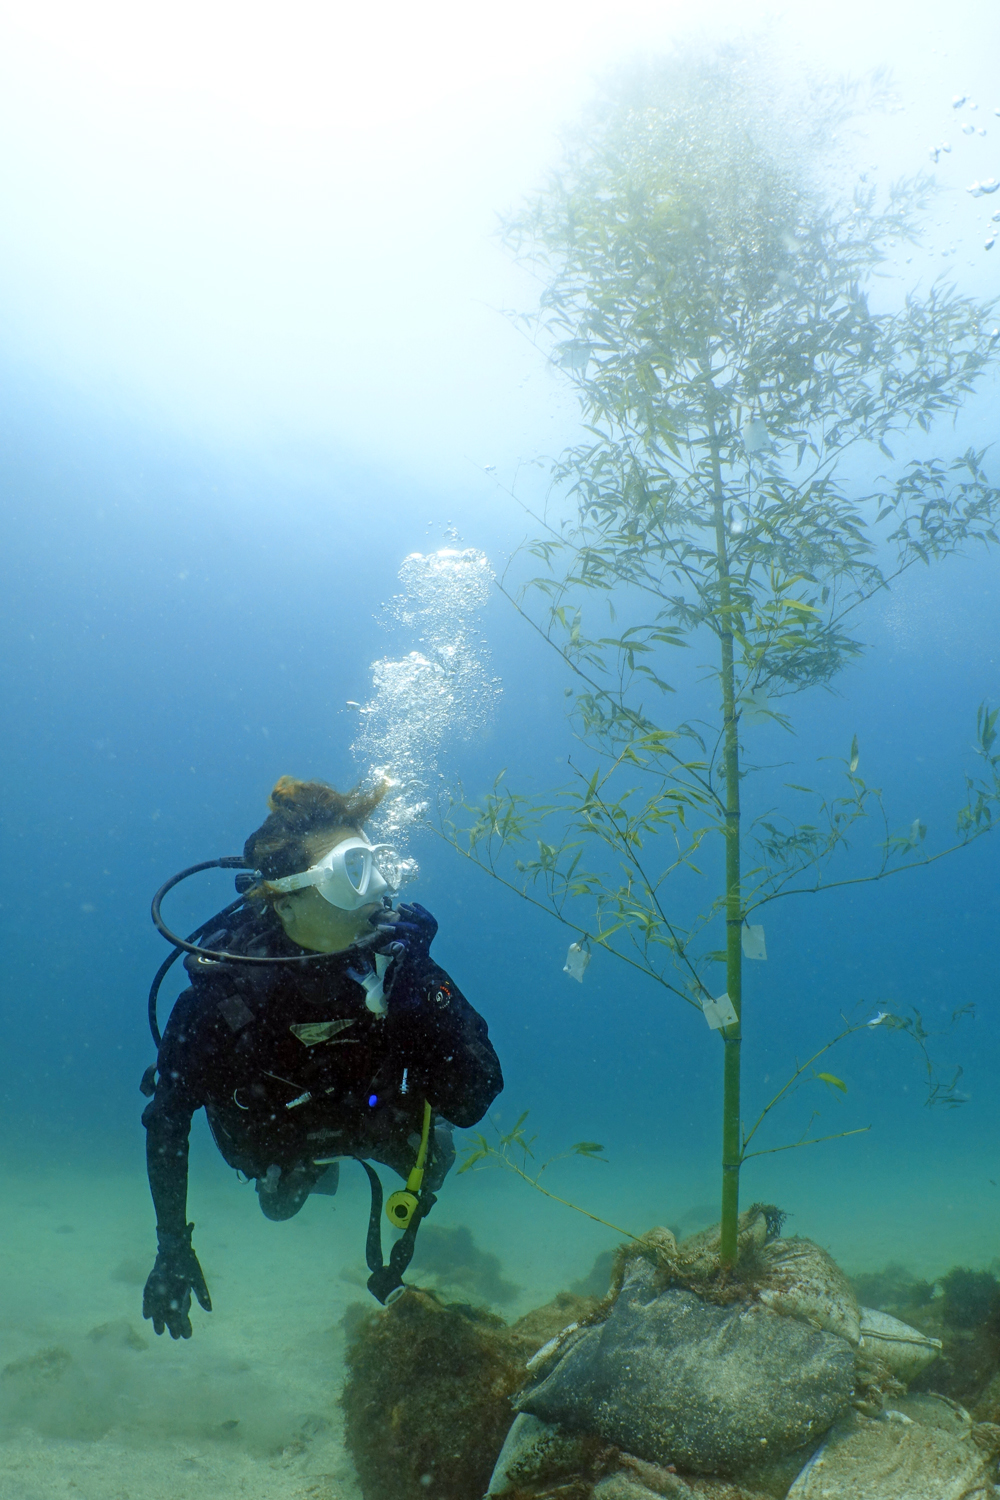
732 1146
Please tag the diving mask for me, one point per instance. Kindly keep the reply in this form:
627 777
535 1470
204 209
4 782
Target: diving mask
348 877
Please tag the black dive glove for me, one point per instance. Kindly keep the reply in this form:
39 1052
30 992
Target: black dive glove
414 929
175 1275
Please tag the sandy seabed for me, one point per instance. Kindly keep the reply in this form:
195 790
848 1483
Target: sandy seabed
94 1407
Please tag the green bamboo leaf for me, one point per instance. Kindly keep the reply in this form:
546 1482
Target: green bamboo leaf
587 1148
832 1082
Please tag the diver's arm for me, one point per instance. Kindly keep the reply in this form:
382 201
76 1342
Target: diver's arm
166 1297
167 1117
167 1134
448 1049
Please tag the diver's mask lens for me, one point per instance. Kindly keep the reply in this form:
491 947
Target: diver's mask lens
349 876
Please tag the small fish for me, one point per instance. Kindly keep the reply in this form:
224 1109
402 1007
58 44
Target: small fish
958 101
577 959
351 704
918 831
877 1020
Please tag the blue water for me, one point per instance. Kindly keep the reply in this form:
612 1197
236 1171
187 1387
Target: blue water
183 630
185 618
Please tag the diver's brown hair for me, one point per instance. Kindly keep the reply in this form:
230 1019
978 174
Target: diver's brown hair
304 814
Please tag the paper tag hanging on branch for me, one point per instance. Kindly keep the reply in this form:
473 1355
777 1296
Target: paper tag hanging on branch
577 959
753 942
720 1012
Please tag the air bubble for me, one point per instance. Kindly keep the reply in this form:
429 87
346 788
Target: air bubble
436 696
968 129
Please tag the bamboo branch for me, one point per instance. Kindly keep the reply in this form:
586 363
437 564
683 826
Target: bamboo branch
816 1141
551 911
794 1079
916 864
510 1166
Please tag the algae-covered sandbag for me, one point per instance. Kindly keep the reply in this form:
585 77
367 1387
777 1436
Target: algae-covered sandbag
544 1461
677 1380
671 1487
799 1279
921 1448
426 1399
538 1454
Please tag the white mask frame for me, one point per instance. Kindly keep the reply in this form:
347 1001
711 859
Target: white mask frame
334 881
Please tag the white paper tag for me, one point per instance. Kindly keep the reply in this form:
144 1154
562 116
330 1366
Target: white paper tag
753 942
577 959
719 1012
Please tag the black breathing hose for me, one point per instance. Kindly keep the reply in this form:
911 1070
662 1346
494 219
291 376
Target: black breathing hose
172 958
190 944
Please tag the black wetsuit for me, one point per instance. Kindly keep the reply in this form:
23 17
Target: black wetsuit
292 1067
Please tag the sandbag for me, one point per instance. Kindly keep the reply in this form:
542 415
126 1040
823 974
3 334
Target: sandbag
677 1380
798 1278
922 1446
905 1350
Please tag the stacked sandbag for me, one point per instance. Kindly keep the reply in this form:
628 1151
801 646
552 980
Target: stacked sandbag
920 1448
691 1381
674 1379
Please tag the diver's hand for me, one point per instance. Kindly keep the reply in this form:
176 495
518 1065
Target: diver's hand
414 929
175 1275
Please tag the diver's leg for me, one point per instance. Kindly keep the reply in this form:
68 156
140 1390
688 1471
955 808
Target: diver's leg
283 1190
440 1154
401 1153
328 1183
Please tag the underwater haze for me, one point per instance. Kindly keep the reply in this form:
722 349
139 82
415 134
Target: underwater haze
256 353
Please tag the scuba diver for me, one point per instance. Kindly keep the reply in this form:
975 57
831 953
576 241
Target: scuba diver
316 1027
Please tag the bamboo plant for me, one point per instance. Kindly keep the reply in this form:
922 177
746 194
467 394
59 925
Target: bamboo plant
707 295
